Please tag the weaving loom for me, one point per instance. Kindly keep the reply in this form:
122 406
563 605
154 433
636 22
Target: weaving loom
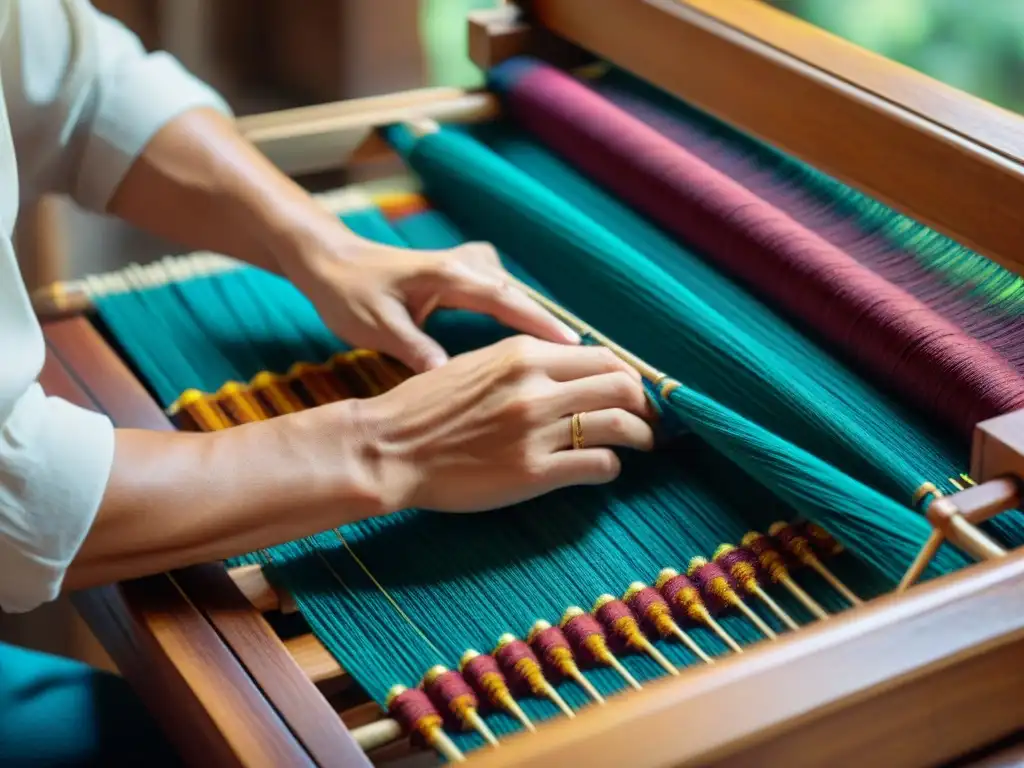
790 578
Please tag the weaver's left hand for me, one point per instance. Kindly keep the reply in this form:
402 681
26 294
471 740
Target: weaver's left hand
378 297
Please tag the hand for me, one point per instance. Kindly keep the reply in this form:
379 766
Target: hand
492 427
378 297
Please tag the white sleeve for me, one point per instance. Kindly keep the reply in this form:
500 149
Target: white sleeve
55 460
84 97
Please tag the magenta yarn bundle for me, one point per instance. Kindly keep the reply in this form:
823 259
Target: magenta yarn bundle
771 177
889 333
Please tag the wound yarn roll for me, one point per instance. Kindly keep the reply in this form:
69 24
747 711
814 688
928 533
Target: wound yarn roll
890 333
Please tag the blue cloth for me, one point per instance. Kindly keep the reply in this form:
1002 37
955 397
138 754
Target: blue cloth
55 712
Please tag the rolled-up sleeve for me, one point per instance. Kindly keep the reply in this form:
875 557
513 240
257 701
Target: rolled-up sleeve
87 97
83 98
55 460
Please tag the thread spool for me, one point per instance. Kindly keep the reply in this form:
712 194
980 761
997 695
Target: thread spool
450 691
741 565
278 398
587 636
716 586
650 607
800 548
620 622
822 541
774 564
552 647
484 675
684 598
419 718
522 668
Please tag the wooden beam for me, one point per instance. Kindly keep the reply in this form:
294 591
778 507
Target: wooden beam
330 136
947 159
498 34
917 679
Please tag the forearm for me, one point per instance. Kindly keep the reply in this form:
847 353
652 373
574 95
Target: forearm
177 499
201 184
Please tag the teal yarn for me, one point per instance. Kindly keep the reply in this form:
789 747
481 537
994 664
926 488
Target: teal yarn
627 296
766 427
454 582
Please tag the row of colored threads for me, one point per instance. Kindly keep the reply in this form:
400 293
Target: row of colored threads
518 668
452 699
353 374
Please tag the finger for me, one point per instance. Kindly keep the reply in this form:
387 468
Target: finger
588 466
599 393
612 428
568 364
492 292
401 339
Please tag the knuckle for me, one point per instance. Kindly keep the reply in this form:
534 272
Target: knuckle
606 465
624 387
617 423
484 254
610 360
532 467
448 270
494 291
522 409
523 349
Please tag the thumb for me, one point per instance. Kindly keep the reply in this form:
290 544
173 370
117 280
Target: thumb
402 340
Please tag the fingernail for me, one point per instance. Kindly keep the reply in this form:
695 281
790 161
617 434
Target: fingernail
570 335
435 360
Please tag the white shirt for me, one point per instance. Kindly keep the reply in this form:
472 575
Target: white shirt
81 99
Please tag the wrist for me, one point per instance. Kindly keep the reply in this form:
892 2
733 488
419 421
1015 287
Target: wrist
344 468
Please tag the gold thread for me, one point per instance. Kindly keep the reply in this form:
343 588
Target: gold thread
383 591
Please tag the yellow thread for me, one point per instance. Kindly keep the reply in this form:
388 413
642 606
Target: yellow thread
563 661
801 548
383 591
824 538
497 691
771 561
719 587
429 727
237 395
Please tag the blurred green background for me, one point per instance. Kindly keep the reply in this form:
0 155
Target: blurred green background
974 45
443 32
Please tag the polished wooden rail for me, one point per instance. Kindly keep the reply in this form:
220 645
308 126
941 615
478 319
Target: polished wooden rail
949 160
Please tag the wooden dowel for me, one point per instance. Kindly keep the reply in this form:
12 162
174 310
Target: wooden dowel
316 661
252 583
377 734
330 139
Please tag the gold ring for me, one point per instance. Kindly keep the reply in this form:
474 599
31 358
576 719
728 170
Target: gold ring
577 431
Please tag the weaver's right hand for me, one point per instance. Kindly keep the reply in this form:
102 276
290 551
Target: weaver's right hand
493 427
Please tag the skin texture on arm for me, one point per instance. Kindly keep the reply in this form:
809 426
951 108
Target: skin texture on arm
490 429
177 499
199 183
487 429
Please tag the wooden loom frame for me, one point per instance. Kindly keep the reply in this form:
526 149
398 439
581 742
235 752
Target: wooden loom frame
911 679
